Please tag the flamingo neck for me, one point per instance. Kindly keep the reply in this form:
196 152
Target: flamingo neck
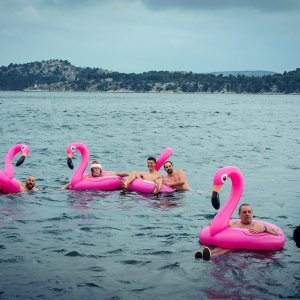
8 168
85 156
222 219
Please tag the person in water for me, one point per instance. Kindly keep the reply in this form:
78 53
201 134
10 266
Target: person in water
96 171
246 221
150 175
29 185
296 236
175 179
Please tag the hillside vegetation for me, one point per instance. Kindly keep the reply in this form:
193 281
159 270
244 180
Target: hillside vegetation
60 75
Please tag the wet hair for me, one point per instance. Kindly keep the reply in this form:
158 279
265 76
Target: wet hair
152 158
296 236
244 204
168 162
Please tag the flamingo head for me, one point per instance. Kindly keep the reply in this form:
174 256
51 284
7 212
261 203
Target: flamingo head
24 149
220 177
70 151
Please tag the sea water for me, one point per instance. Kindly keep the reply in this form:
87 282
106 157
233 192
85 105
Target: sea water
58 244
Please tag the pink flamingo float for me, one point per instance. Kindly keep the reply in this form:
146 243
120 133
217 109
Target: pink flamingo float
104 183
218 233
145 186
7 182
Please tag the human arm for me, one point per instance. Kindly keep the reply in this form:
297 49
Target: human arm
181 180
122 174
260 228
66 186
108 173
270 230
158 184
140 175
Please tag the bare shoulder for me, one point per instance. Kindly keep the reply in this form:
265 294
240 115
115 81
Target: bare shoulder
181 172
159 175
234 223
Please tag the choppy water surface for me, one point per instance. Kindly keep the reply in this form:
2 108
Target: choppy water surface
109 245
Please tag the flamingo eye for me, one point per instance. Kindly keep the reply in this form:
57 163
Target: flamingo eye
23 147
73 148
224 177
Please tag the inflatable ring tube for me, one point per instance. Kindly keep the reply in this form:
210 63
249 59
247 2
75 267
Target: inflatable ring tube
242 238
103 183
218 233
164 156
145 186
8 183
78 182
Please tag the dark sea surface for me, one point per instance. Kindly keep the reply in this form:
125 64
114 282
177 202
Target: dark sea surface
58 244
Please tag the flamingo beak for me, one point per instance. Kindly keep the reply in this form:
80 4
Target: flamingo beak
21 159
70 162
215 200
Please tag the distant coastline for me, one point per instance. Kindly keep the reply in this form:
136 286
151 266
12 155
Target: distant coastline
61 76
150 92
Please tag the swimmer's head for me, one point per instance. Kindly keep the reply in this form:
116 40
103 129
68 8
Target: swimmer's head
30 182
96 169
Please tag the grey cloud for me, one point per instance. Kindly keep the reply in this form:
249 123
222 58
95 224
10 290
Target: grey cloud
257 5
191 5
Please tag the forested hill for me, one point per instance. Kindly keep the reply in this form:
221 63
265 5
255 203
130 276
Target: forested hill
60 75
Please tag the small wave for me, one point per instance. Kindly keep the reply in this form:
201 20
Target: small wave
95 256
96 269
87 244
163 252
293 167
63 217
89 284
143 289
60 250
282 217
140 234
115 251
132 262
88 229
73 254
16 259
57 231
170 266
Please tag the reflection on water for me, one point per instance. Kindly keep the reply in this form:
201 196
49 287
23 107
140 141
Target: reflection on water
84 199
235 269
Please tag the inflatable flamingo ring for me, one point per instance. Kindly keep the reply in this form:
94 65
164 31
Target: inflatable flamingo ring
220 234
104 183
7 182
145 186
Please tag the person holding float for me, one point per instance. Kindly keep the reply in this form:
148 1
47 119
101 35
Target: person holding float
245 233
151 180
96 179
8 184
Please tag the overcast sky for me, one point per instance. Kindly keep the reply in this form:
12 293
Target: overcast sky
142 35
